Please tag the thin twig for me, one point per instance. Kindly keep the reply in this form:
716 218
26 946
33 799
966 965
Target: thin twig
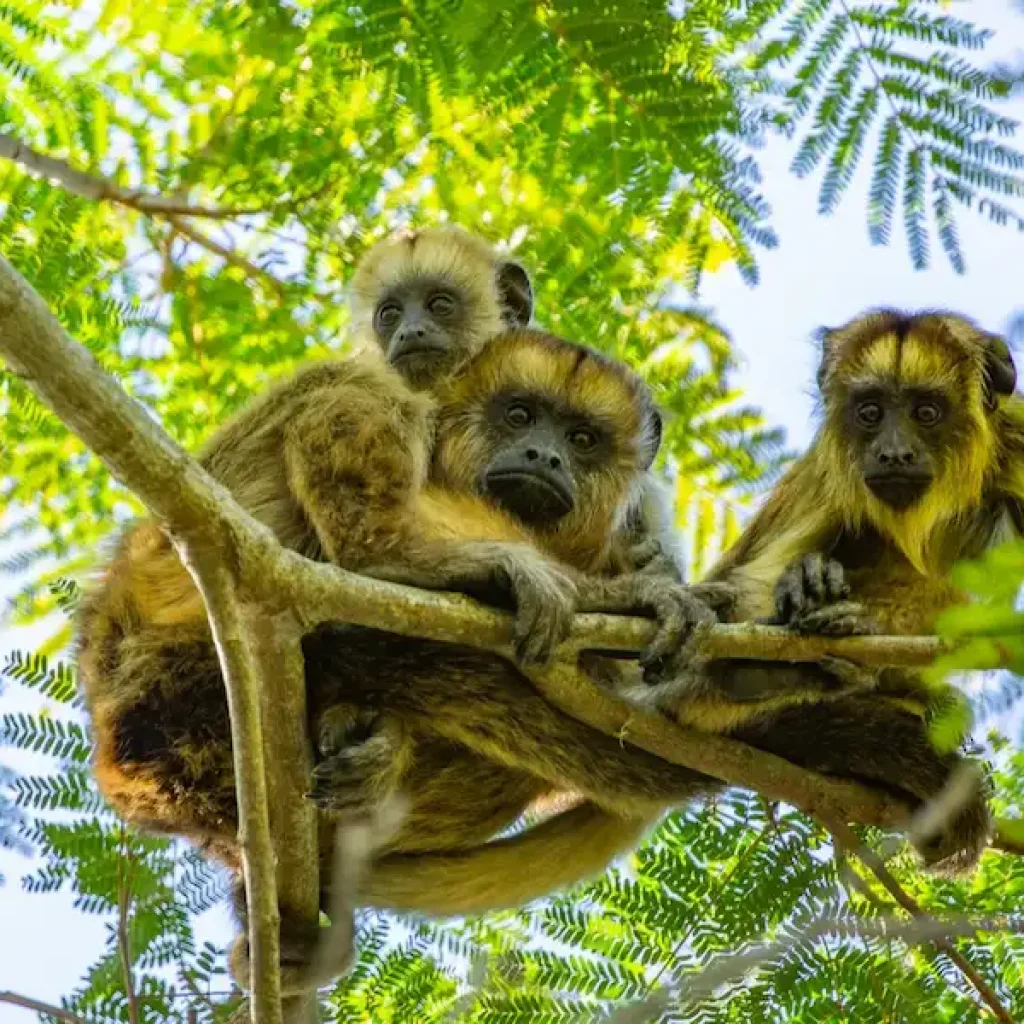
226 253
56 1012
91 186
123 945
847 838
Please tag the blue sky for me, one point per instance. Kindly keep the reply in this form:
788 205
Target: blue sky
823 272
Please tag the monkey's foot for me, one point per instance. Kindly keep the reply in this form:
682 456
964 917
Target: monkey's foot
353 781
844 618
850 677
808 584
344 725
298 948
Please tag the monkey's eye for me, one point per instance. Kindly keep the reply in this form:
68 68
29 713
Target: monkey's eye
583 440
388 314
927 414
518 415
869 414
441 305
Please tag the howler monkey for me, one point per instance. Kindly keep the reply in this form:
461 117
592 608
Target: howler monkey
535 448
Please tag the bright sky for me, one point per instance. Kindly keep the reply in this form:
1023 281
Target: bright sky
823 272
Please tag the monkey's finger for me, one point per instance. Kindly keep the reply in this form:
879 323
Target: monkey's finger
814 577
674 627
844 618
836 588
533 637
789 595
721 598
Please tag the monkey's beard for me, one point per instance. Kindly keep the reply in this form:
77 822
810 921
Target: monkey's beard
422 370
534 501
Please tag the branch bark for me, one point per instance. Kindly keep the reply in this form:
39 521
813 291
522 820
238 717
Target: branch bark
92 186
242 682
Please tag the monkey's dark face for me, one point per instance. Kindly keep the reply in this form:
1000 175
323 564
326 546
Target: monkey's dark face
901 434
419 324
541 450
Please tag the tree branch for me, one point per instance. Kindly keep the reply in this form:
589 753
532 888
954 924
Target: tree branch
250 269
123 945
57 1012
695 987
91 186
242 682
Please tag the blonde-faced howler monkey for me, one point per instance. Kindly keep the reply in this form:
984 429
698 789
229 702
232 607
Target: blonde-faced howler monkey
919 462
512 488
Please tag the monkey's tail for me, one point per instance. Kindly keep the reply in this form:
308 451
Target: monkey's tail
560 852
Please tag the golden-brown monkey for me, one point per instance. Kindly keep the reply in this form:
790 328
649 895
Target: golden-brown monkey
538 445
429 299
918 463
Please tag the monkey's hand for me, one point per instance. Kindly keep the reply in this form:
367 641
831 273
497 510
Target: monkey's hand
543 595
650 558
721 598
361 759
810 597
678 610
508 574
808 584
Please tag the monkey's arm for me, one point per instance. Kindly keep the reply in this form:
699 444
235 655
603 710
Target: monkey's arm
356 455
790 524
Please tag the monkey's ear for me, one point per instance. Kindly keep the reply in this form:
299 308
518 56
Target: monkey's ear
825 337
652 439
1000 372
516 294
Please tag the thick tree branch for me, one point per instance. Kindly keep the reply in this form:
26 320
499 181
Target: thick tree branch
242 682
91 186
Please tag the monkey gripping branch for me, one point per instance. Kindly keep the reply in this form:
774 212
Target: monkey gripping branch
254 589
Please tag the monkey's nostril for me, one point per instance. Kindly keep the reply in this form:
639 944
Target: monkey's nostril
532 454
555 462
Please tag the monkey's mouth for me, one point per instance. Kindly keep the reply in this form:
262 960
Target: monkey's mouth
534 499
421 366
898 490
